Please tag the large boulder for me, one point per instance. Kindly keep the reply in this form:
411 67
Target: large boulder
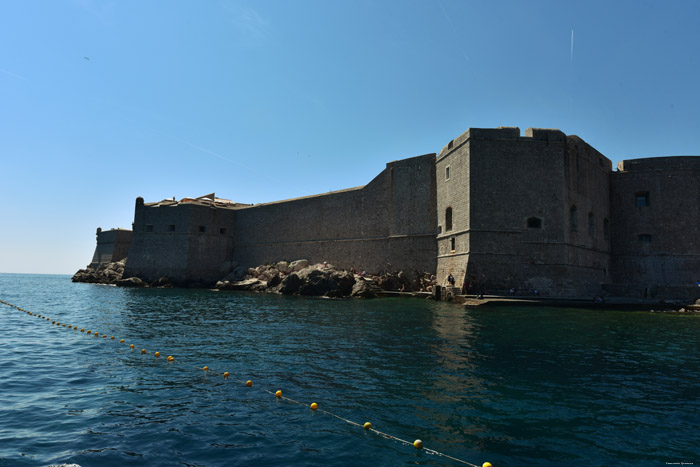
290 284
298 265
131 282
365 289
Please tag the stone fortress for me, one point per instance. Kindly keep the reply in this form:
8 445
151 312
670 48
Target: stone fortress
497 210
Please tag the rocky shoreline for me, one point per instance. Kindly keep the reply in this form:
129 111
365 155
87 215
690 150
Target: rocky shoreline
287 278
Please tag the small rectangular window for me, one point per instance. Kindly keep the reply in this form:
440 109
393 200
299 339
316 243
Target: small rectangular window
149 227
645 238
447 172
641 199
452 244
202 229
222 230
171 228
534 223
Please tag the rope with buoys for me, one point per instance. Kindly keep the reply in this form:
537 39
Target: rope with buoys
367 426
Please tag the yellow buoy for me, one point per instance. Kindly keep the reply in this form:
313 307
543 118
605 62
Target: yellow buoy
121 341
82 329
112 338
418 444
367 426
97 333
89 332
206 368
131 346
171 358
278 393
157 354
226 375
249 383
314 406
487 464
143 351
104 336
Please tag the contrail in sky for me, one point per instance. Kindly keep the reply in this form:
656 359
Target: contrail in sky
12 74
218 155
572 46
454 30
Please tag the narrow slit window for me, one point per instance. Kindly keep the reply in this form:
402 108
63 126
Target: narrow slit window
447 172
222 230
452 244
573 219
591 224
202 229
171 228
448 219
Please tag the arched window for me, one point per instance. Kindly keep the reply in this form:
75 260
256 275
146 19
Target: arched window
534 223
448 219
573 219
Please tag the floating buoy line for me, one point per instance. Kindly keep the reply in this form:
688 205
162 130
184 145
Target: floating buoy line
314 406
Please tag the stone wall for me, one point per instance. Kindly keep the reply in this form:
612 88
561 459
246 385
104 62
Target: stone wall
112 245
655 216
387 225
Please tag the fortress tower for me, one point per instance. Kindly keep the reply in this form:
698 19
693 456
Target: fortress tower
528 213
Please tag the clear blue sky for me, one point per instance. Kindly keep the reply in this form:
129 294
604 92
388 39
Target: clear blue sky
104 101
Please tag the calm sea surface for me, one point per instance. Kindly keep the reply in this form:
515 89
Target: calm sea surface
512 386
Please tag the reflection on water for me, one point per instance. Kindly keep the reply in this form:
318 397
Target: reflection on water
513 386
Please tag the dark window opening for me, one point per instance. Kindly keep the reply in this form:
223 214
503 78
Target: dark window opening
646 238
202 229
591 223
222 230
149 227
447 172
641 199
439 229
534 223
448 219
573 219
452 244
171 228
606 228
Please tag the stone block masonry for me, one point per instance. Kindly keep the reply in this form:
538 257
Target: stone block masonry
496 209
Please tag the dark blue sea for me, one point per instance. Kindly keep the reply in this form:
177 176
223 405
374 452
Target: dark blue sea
519 386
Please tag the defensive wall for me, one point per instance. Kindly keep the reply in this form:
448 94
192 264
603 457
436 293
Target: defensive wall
496 209
655 217
112 245
387 225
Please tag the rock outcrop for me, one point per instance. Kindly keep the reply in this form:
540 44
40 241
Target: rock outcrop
323 279
109 273
112 274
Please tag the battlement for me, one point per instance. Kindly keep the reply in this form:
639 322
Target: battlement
660 163
504 133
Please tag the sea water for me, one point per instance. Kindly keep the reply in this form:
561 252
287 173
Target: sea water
512 386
